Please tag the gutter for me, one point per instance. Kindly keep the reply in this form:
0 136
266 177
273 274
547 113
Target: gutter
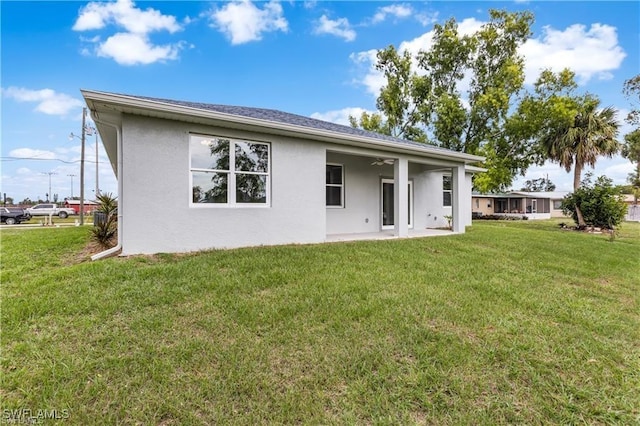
113 250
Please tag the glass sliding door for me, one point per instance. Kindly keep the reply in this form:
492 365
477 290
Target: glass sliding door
388 218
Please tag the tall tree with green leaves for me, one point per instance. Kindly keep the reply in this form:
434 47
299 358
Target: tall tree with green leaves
460 94
631 151
631 89
631 146
592 133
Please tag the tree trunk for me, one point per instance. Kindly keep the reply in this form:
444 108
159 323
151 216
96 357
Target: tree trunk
577 171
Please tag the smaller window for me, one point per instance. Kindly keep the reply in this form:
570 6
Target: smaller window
557 204
335 185
446 191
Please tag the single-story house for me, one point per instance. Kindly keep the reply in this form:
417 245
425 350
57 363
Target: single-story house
633 208
195 176
533 205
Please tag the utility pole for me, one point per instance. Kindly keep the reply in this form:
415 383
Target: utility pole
84 117
72 176
49 193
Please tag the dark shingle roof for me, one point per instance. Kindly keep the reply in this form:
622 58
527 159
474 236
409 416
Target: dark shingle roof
288 118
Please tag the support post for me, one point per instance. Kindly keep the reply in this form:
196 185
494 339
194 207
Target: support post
458 198
401 197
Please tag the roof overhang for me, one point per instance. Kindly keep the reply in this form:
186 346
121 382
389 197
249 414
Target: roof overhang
108 106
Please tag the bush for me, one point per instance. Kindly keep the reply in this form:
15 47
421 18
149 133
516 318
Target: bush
105 222
600 203
500 217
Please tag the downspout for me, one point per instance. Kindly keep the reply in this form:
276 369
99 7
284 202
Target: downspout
118 246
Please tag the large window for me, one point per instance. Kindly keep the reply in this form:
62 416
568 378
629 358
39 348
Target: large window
335 185
227 171
446 190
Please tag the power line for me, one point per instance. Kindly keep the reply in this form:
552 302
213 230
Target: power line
43 159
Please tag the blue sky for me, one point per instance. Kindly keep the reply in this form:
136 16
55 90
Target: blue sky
312 58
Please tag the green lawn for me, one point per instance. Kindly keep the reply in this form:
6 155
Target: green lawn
513 322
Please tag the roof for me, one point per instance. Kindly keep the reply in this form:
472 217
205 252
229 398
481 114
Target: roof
556 195
262 119
552 195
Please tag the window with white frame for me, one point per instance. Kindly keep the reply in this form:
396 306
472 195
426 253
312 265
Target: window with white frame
335 185
557 204
446 190
226 171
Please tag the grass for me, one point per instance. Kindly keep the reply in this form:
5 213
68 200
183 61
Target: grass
515 322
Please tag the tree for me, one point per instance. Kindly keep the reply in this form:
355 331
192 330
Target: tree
631 89
539 185
600 203
631 151
460 94
591 134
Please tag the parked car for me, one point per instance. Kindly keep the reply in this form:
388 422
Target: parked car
50 209
14 215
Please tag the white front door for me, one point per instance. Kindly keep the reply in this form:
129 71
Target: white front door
386 191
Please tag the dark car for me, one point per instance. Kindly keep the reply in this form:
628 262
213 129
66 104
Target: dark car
14 215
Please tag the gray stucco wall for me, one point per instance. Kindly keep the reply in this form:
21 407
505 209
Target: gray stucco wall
156 193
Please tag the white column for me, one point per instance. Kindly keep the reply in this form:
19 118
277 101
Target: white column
401 197
458 198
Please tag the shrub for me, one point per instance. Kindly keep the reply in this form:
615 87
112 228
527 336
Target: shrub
600 202
105 221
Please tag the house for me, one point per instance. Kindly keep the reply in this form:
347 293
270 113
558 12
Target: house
89 206
533 205
195 176
633 208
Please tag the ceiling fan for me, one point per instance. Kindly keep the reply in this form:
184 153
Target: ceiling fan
382 161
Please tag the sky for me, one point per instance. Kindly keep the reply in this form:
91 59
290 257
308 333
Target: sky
313 58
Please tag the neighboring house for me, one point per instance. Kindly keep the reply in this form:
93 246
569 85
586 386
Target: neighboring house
197 176
89 206
633 208
533 205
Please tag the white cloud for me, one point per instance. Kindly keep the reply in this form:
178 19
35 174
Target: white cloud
395 10
24 171
339 28
340 116
426 18
373 80
133 46
590 53
32 153
242 21
133 49
48 101
123 13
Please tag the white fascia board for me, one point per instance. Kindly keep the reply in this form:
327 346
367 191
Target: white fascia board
180 112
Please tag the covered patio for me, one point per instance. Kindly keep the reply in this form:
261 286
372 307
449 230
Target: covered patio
388 235
363 203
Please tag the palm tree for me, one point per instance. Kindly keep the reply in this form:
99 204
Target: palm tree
592 134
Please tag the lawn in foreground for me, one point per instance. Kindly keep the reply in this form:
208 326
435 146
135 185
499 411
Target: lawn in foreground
509 323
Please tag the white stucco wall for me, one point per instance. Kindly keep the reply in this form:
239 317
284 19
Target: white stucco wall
362 186
156 193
